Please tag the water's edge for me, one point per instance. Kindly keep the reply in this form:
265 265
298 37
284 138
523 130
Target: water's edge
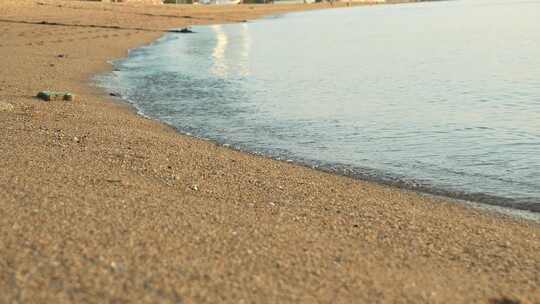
498 205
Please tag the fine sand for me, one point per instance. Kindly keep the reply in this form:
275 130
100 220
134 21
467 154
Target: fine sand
100 205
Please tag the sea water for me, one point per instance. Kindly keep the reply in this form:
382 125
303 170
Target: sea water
441 97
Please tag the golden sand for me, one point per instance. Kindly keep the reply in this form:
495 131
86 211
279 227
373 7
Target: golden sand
100 205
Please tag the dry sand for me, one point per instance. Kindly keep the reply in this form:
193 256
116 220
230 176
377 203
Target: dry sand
100 205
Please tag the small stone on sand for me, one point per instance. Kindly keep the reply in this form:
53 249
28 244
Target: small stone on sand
48 96
6 107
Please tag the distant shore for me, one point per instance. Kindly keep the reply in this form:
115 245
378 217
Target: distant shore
100 205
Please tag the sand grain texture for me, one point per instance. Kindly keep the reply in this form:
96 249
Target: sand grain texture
100 205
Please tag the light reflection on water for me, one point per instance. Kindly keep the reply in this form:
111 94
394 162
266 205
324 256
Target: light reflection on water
220 66
441 97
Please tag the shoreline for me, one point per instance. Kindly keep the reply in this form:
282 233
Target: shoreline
491 208
102 204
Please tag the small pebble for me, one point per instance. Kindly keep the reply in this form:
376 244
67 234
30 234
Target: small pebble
6 107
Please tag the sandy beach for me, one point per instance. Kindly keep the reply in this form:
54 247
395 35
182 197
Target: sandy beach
100 205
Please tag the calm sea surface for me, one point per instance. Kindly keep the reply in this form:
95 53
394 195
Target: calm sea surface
441 97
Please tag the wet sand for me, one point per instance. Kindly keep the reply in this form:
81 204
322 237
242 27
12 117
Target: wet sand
100 205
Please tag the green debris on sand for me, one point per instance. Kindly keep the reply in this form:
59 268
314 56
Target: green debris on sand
48 96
